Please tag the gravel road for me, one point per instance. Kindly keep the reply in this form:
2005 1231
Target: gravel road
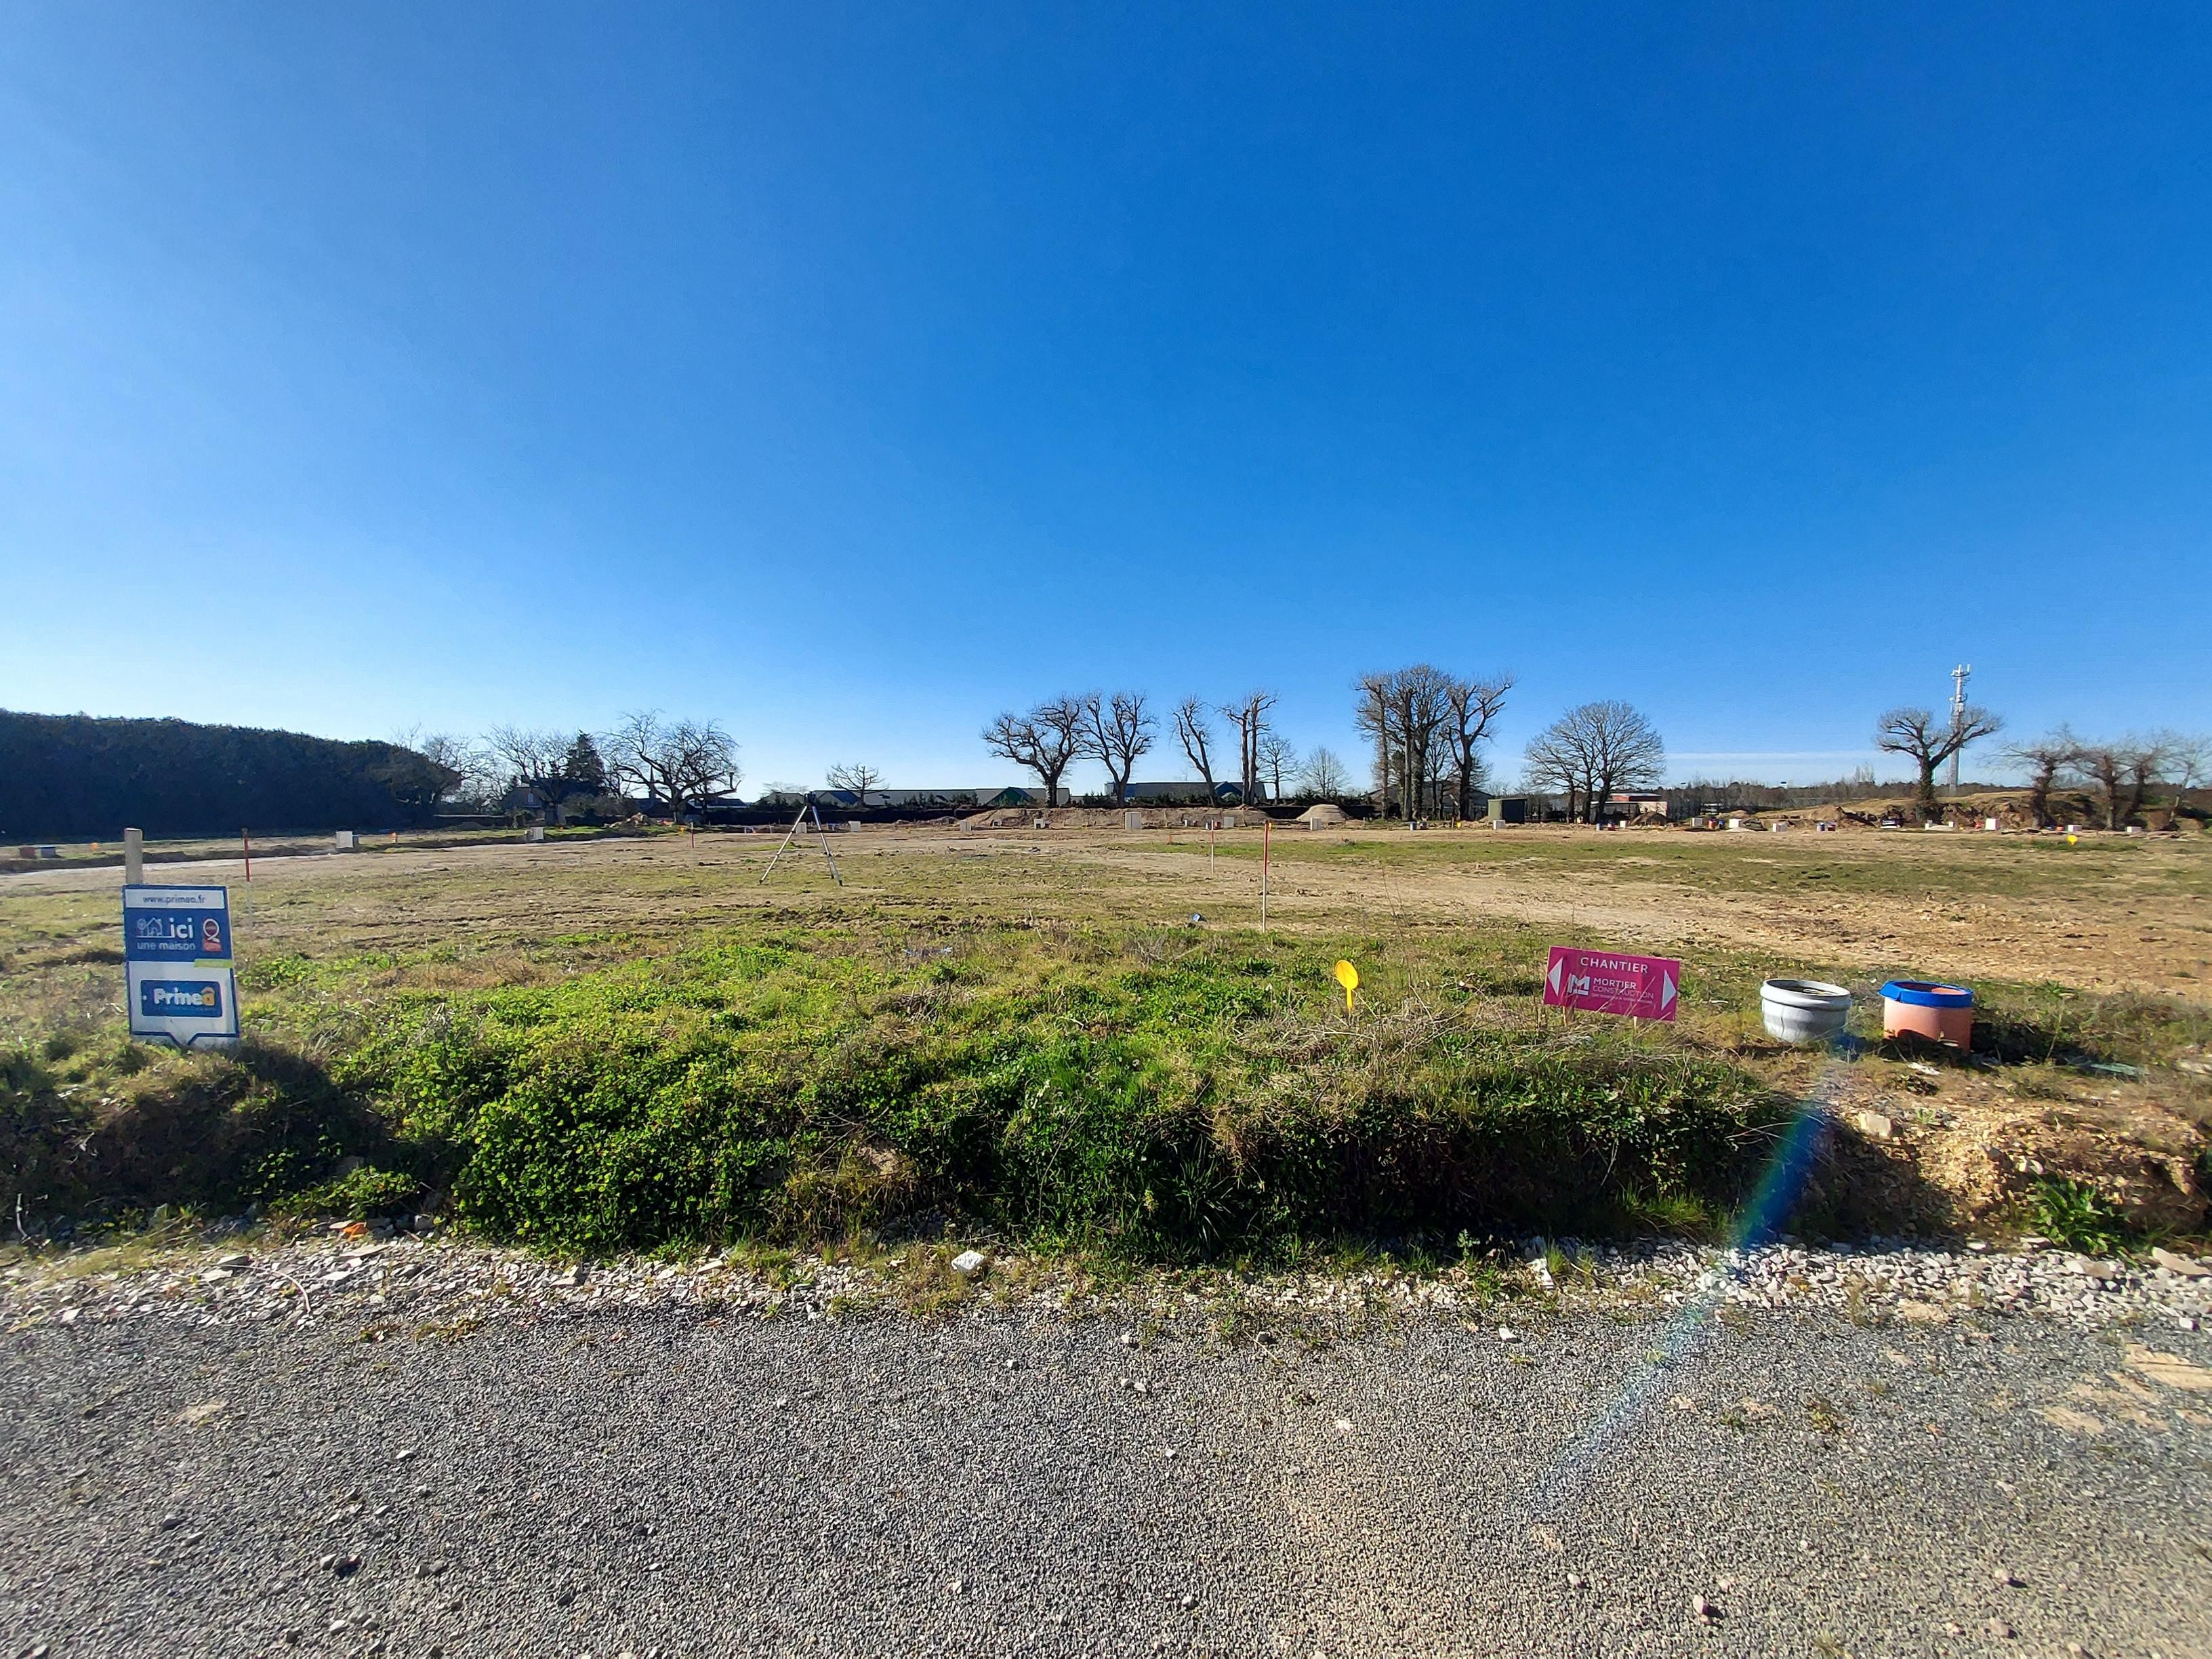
606 1479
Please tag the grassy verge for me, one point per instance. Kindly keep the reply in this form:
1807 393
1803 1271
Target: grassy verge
1155 1095
1142 1093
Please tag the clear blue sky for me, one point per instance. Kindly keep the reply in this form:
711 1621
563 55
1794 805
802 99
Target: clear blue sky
850 373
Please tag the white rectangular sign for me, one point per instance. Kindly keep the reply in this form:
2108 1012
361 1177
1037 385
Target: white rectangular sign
176 976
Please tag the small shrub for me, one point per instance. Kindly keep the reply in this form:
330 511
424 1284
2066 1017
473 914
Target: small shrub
355 1197
2076 1214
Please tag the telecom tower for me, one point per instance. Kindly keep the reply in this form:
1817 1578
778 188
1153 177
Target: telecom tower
1960 676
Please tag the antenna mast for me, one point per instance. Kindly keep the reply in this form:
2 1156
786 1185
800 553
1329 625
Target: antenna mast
1960 676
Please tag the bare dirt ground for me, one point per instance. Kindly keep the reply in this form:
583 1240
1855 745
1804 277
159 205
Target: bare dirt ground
2112 913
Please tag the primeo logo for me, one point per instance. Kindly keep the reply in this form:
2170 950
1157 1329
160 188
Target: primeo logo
180 999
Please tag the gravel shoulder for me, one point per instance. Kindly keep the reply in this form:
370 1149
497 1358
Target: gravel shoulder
697 1460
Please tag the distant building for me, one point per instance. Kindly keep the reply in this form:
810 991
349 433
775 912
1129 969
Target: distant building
952 800
1189 793
1637 804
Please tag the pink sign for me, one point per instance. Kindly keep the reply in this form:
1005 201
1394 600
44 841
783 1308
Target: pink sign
1607 982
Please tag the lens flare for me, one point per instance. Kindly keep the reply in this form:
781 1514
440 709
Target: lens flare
1781 1184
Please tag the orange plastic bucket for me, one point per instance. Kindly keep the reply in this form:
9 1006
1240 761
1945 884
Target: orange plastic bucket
1919 1007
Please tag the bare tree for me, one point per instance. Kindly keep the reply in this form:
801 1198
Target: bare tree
1930 741
1470 706
859 777
1550 766
2188 762
1044 741
536 758
418 779
1250 717
1324 775
2045 759
1117 731
684 762
1278 757
2122 771
1595 749
1401 712
1371 714
1197 739
468 763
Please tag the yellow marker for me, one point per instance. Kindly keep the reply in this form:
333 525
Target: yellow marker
2073 840
1347 976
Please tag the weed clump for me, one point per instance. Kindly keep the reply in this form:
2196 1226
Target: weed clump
2076 1214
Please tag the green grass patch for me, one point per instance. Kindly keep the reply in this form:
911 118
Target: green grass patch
1148 1094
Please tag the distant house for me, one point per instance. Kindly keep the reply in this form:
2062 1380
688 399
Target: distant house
1188 792
1636 804
950 800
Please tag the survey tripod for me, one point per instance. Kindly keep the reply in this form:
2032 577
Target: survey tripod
792 834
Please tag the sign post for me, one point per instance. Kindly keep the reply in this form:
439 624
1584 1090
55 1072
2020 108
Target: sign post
1610 982
177 971
1266 845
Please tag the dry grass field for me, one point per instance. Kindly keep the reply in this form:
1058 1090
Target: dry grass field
985 972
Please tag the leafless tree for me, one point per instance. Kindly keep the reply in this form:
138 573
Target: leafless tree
1550 766
1929 741
469 765
1117 733
859 777
1279 758
1324 775
1044 741
1250 717
1402 712
417 779
2122 771
684 762
2188 762
536 758
1371 714
1197 739
1595 749
2045 758
1470 706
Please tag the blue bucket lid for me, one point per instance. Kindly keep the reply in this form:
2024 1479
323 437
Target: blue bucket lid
1923 993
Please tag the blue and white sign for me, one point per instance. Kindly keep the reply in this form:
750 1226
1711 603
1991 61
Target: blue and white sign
176 965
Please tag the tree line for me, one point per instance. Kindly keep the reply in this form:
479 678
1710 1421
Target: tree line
679 765
78 777
75 777
2118 774
1119 729
1429 729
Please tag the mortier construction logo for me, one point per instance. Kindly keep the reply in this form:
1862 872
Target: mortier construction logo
1610 982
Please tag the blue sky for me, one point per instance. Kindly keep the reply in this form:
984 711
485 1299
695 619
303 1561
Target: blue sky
851 373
